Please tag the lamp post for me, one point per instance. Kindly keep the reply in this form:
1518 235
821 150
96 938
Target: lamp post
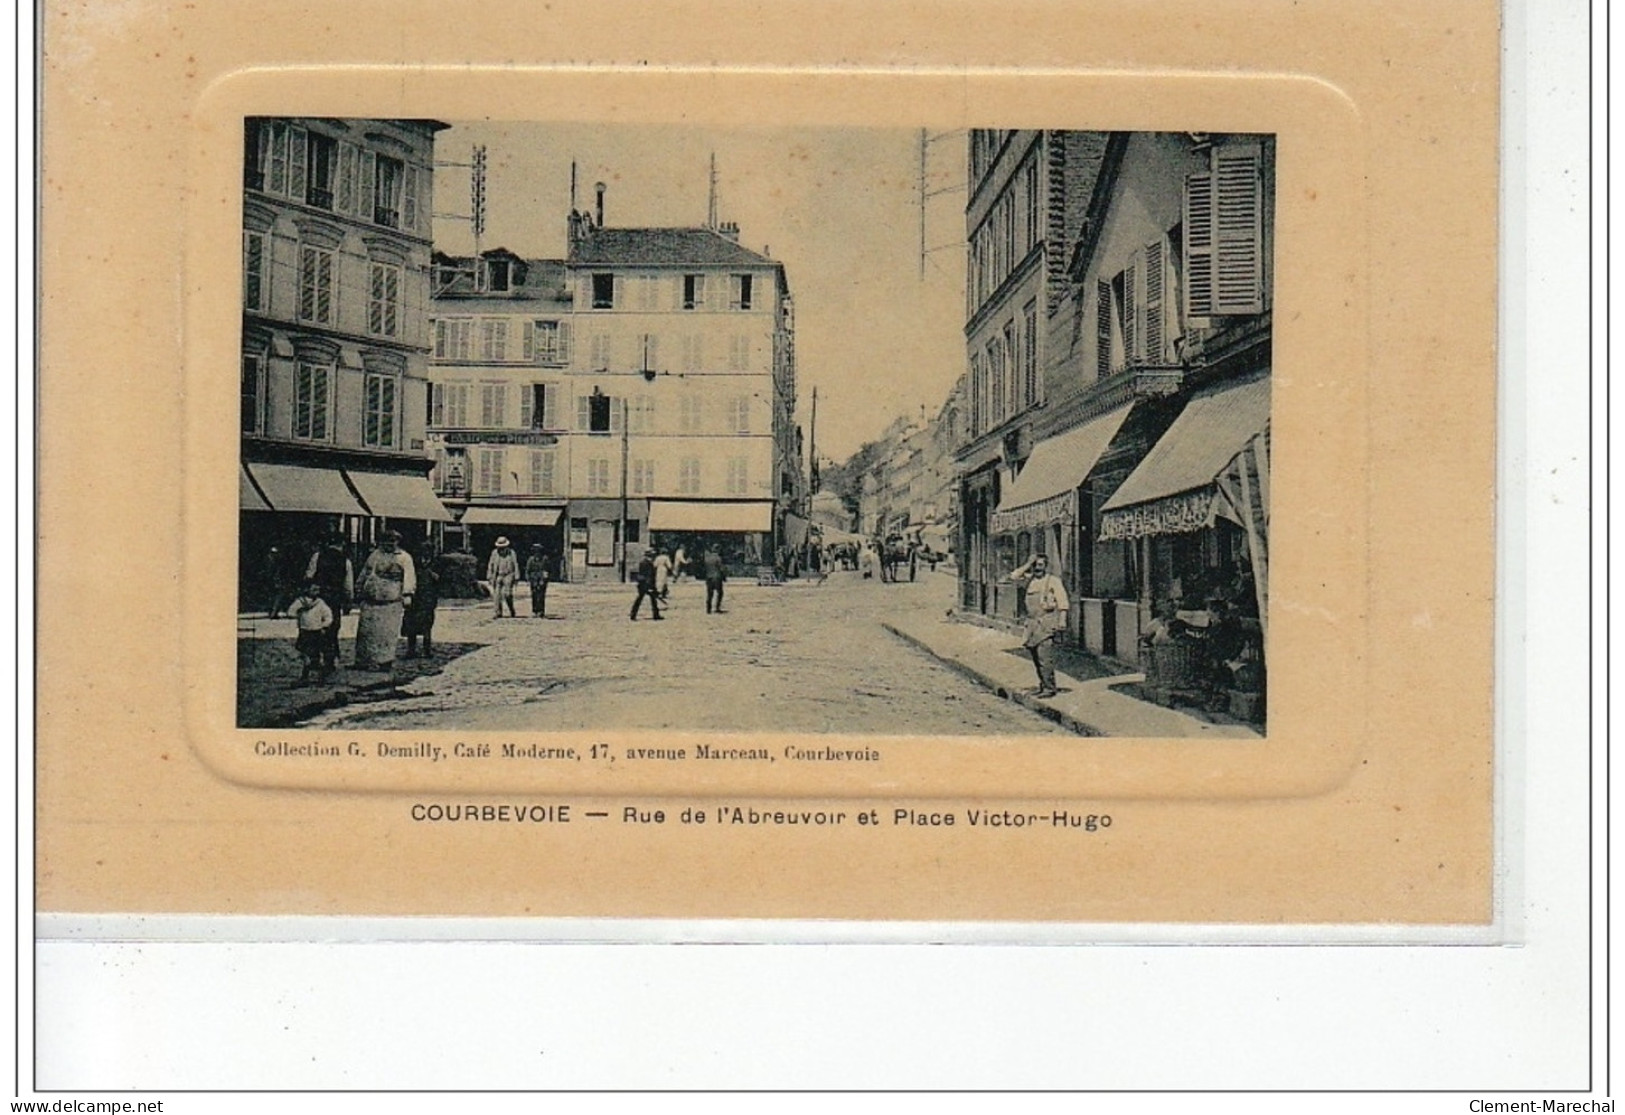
626 437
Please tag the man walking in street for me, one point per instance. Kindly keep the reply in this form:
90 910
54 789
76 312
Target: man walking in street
536 573
711 564
646 587
1047 605
663 571
503 573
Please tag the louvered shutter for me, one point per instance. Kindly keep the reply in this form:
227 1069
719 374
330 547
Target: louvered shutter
1131 314
528 341
276 179
550 406
392 300
409 200
564 342
324 287
375 304
583 412
1238 243
437 404
307 283
318 426
617 411
347 173
1103 329
298 151
1156 283
366 196
1198 235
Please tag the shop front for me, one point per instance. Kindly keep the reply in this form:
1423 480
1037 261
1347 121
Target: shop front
523 525
739 530
605 539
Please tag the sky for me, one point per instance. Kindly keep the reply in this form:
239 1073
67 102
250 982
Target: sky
838 207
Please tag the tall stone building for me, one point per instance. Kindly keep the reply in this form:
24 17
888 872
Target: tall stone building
336 243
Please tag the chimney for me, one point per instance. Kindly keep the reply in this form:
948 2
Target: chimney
599 188
729 230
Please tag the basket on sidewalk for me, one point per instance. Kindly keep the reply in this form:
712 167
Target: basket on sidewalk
1175 665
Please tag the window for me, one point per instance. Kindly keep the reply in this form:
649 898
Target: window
255 284
995 362
386 197
1034 232
688 476
312 402
640 415
253 393
384 300
256 152
1011 354
643 477
602 350
494 339
454 338
1029 355
448 405
496 275
603 291
1224 233
976 393
739 414
547 342
691 414
739 297
378 424
488 480
541 472
597 413
648 292
598 476
493 405
533 408
693 292
409 198
321 157
276 178
738 476
315 285
693 352
349 157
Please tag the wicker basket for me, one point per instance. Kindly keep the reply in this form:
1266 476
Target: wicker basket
1176 665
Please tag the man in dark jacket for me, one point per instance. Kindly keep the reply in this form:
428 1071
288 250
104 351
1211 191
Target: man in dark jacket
330 568
646 587
714 576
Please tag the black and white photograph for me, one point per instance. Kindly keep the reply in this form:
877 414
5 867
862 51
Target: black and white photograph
557 427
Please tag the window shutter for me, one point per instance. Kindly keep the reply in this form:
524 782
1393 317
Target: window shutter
437 404
324 287
277 178
439 340
298 150
409 200
347 173
528 341
1238 248
253 270
1103 329
392 300
550 406
617 411
375 305
564 342
1156 281
583 412
1198 235
527 409
319 405
1131 312
365 198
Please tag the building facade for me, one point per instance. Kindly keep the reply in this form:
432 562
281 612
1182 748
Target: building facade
1146 477
336 244
498 422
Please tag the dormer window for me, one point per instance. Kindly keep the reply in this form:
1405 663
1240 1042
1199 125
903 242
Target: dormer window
496 275
603 291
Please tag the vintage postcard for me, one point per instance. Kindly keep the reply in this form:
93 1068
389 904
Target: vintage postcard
982 492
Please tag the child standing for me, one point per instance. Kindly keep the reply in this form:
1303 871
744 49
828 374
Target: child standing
314 617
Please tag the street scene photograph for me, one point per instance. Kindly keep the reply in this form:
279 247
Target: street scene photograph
559 427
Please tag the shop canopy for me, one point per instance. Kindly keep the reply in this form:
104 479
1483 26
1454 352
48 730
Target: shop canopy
248 497
1047 488
698 515
1179 486
399 496
301 488
512 516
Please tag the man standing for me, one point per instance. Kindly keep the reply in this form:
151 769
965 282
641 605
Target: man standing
714 576
1047 605
334 576
537 574
503 573
646 587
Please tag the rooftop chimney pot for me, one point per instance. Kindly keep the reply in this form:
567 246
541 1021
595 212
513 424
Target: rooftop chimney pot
599 188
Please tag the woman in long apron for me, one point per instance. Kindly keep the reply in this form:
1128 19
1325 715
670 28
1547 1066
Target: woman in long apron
388 580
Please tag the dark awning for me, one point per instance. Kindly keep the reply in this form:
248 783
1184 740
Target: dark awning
399 496
1174 488
1045 490
301 488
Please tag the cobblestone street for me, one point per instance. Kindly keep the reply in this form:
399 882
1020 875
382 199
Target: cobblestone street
801 658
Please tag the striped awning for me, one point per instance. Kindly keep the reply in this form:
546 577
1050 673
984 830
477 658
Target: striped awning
1176 488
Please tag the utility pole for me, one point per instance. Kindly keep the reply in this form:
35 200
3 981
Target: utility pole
626 447
711 202
812 473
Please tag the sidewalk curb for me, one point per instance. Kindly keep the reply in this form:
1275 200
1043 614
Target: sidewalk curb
1025 700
